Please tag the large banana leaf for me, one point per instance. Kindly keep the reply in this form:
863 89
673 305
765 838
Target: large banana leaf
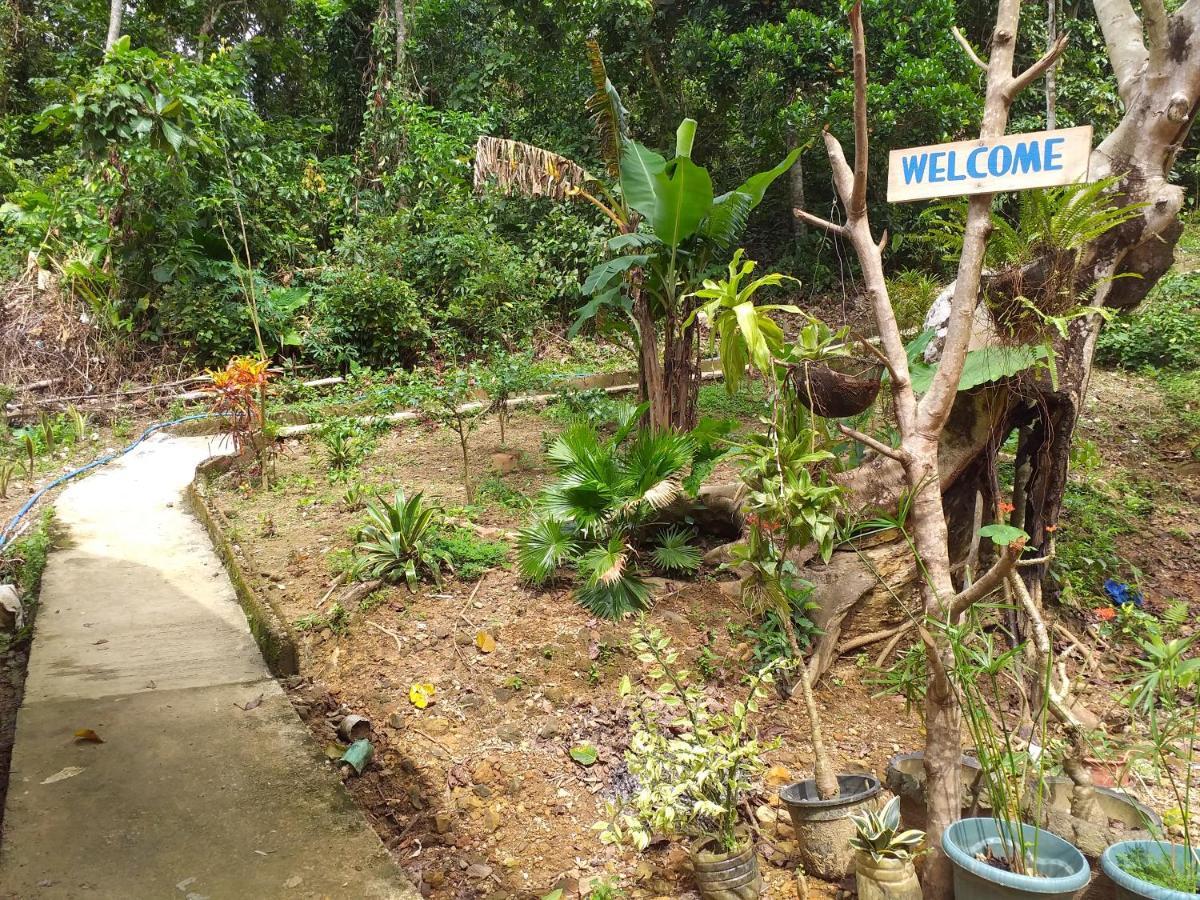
731 210
639 166
609 270
683 196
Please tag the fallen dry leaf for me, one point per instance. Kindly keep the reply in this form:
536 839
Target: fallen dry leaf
87 736
421 694
253 704
485 642
63 774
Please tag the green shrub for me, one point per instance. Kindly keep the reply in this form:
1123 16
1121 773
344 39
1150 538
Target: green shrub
470 555
1163 332
368 317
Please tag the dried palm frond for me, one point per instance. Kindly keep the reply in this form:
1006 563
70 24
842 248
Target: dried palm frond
519 168
608 113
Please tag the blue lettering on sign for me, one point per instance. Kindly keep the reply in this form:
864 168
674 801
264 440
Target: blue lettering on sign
972 169
952 173
1053 160
999 161
1024 158
1027 158
914 167
937 171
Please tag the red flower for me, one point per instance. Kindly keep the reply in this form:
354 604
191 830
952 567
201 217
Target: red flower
1106 613
1006 508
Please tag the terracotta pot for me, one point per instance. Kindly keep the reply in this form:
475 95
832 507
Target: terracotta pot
722 875
886 879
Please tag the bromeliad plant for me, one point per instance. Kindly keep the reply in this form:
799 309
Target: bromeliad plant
399 541
693 762
602 516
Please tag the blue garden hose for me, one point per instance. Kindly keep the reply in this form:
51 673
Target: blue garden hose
11 527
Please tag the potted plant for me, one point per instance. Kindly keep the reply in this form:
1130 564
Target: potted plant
693 764
883 862
1163 697
1000 857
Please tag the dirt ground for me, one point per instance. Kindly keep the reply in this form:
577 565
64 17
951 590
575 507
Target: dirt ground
477 794
482 779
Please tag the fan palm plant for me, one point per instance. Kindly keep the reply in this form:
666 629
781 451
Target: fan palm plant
601 516
397 541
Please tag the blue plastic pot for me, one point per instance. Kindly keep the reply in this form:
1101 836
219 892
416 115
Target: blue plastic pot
1128 887
1062 868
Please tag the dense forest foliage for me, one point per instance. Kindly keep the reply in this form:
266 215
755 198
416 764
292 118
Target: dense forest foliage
296 153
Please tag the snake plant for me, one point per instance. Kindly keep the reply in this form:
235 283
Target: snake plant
878 834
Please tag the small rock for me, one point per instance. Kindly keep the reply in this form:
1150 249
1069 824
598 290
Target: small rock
504 463
442 822
294 882
479 870
396 720
550 728
504 694
491 819
510 733
442 630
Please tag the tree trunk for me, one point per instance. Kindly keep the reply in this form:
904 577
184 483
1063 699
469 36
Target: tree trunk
1051 80
796 182
402 39
116 11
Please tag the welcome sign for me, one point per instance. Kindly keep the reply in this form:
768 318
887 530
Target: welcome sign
1014 162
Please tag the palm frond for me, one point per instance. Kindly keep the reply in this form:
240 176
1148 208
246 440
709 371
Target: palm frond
519 168
542 547
608 113
676 552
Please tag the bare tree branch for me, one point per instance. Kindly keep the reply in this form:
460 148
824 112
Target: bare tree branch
816 221
1038 69
878 446
857 207
1123 36
986 583
967 48
1154 14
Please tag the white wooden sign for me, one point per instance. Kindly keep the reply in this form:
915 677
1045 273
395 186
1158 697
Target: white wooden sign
1014 162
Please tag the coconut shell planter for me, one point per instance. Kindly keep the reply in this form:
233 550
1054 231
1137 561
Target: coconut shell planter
837 388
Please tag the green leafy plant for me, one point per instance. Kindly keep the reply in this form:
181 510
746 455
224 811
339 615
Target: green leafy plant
693 761
1164 673
504 377
878 833
675 551
469 555
345 446
446 398
7 470
599 515
398 540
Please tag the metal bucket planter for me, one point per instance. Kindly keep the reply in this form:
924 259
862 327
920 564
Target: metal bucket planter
721 875
886 879
822 827
905 777
1062 868
1131 888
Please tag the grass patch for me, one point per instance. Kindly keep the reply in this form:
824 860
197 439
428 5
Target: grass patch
749 403
470 554
22 564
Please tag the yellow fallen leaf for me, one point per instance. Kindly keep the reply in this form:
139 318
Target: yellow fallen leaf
485 642
87 736
421 695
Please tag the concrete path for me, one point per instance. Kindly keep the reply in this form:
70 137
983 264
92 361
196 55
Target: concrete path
141 639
